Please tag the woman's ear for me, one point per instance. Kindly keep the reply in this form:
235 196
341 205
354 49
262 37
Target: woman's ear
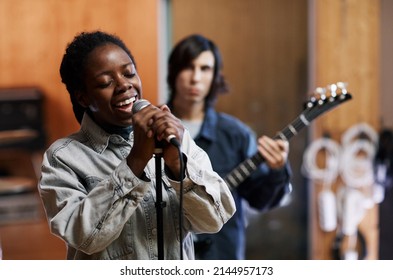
81 98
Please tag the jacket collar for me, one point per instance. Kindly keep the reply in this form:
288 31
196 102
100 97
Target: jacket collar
208 130
97 136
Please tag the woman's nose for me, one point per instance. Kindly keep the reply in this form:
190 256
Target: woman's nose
123 84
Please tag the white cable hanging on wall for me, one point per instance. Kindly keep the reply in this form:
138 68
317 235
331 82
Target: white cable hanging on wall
357 161
356 164
357 173
360 130
326 176
353 163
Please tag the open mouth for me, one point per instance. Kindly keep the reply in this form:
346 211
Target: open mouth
125 102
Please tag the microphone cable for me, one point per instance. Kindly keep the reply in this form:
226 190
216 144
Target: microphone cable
171 139
182 171
177 145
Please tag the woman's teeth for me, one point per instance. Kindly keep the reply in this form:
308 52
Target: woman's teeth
125 102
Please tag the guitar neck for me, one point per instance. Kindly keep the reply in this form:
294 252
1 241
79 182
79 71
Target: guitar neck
323 100
244 169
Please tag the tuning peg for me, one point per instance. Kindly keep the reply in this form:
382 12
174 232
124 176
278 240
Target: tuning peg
332 90
320 91
342 87
319 95
316 96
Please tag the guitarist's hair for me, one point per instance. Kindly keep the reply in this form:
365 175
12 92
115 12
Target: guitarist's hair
184 53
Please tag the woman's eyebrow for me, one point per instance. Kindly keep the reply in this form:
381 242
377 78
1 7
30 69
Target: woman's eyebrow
107 72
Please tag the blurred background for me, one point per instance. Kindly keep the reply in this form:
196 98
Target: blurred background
276 54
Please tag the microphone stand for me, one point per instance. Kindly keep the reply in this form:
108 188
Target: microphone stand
159 203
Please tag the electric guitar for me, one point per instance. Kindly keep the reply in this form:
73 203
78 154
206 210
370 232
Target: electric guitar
322 101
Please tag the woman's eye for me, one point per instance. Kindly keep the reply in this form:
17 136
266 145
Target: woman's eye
130 75
104 85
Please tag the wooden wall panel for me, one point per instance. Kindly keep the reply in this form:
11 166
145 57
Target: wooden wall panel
346 46
386 64
33 38
34 35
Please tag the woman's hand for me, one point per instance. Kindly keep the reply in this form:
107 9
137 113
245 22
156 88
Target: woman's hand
153 125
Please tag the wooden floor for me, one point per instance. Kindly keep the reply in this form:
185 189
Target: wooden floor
30 241
24 232
24 239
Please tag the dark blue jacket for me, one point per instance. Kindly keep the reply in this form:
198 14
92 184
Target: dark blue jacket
228 142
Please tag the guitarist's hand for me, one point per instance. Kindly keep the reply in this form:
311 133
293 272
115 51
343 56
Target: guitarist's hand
275 152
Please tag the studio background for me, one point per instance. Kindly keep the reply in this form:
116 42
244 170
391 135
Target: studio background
275 53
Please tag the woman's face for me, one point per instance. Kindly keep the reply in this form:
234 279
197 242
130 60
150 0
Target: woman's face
193 82
112 86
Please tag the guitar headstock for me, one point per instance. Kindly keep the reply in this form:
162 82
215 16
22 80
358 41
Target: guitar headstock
326 98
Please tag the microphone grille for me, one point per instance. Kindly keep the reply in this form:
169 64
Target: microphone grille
139 105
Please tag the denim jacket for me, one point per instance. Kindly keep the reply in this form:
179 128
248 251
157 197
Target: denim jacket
101 210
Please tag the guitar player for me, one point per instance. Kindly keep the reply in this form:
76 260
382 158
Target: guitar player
195 80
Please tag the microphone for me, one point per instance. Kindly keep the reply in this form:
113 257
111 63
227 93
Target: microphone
142 103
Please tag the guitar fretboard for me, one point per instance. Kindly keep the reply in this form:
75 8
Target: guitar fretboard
244 169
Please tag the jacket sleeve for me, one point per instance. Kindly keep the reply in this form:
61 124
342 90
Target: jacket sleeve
207 201
265 188
87 220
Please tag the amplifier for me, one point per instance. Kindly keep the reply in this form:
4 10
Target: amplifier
21 118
